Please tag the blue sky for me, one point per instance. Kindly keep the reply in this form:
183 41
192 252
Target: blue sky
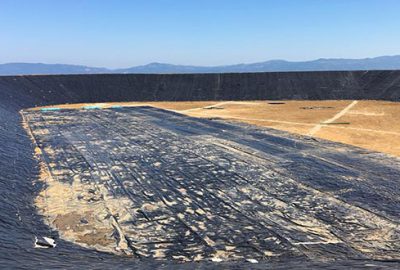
118 33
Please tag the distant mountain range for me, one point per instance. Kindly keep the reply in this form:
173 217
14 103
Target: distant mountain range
377 63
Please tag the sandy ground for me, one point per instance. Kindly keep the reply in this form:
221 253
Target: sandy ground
372 125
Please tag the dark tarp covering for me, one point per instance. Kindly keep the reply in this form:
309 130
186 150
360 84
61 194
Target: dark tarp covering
19 221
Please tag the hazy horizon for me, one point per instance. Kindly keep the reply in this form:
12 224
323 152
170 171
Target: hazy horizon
188 64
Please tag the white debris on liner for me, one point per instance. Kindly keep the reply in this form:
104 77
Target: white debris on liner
44 242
